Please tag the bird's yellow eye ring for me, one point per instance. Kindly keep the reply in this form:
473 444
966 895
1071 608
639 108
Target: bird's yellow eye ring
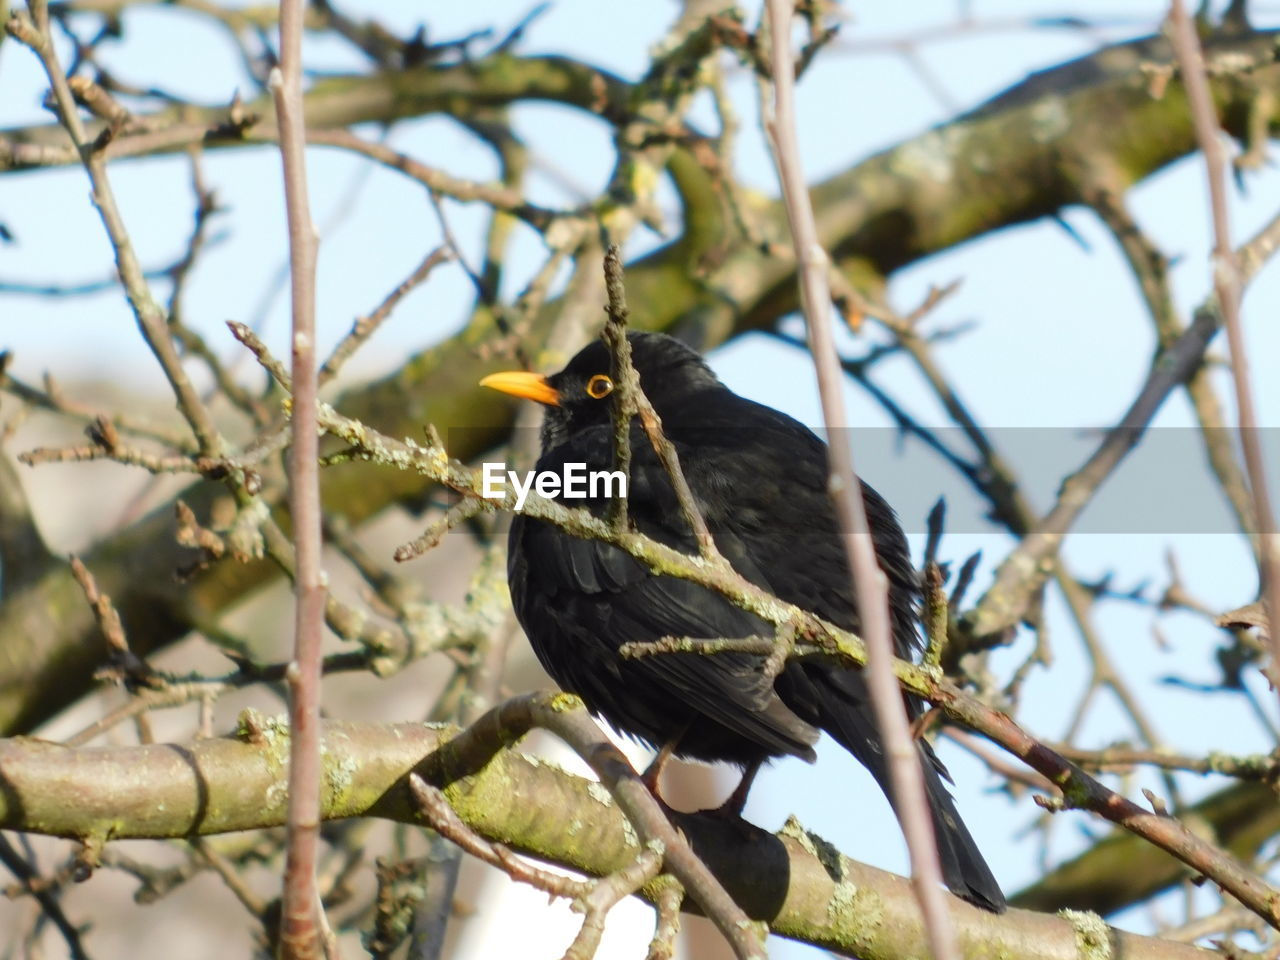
599 387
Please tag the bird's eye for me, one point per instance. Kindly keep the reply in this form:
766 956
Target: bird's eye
599 387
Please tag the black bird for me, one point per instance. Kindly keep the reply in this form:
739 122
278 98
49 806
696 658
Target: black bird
759 478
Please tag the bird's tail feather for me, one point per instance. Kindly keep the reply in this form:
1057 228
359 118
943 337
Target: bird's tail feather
839 703
841 706
963 868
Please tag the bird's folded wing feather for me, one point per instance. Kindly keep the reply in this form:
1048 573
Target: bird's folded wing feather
599 598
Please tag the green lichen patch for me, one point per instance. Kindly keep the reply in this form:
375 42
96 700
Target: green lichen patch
565 702
1093 936
858 910
822 851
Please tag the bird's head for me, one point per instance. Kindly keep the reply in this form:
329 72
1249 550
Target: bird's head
579 396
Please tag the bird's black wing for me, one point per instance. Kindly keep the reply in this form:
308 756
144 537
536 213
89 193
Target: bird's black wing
761 478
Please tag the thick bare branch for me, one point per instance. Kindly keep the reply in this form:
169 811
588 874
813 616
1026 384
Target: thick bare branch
794 880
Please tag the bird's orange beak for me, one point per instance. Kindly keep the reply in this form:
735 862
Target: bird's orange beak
519 383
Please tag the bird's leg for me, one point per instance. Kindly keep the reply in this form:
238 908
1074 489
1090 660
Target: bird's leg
731 809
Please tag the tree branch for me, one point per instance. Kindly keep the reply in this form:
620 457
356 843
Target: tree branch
794 880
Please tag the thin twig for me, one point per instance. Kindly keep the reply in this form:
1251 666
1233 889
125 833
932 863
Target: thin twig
869 582
302 926
435 808
936 614
151 320
1104 673
365 327
1258 766
1228 283
164 694
1012 773
231 876
459 513
1151 268
667 905
593 898
53 398
626 384
1025 568
48 899
565 716
633 400
104 610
